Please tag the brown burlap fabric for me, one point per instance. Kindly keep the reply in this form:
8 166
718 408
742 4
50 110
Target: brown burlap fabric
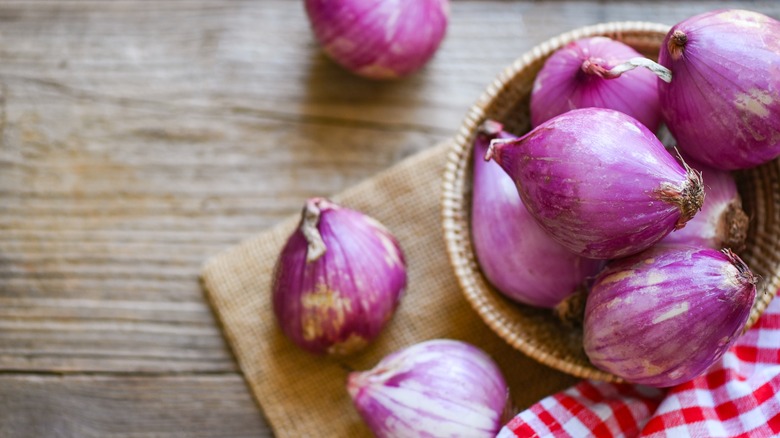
304 395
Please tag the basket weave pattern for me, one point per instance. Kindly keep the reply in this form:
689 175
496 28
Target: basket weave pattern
536 332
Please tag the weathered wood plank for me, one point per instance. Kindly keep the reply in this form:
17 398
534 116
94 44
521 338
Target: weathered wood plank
128 219
101 406
111 198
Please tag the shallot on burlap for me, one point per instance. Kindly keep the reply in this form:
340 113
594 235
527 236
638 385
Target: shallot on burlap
305 395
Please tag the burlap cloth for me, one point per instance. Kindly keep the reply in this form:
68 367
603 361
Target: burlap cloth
303 395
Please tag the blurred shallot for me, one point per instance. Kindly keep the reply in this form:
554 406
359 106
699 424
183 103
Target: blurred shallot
379 39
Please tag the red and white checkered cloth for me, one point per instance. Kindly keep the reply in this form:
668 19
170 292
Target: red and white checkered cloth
737 397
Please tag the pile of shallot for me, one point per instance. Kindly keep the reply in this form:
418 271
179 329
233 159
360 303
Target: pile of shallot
589 202
593 182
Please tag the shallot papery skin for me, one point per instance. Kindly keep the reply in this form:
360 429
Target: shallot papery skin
721 223
338 280
516 255
379 39
577 76
438 388
664 316
599 182
723 103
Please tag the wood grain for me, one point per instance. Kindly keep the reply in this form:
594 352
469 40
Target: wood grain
139 138
97 407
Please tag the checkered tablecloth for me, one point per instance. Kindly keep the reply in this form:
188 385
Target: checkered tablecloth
737 397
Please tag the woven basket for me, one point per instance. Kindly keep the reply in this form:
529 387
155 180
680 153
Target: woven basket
536 332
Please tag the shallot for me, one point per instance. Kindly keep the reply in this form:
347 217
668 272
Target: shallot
599 182
437 388
664 316
379 39
581 75
516 255
338 280
723 103
721 223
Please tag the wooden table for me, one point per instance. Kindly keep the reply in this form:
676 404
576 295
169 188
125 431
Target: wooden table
140 138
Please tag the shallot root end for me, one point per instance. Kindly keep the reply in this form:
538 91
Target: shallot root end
744 272
736 226
689 198
571 311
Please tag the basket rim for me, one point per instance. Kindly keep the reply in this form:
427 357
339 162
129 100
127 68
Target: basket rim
452 199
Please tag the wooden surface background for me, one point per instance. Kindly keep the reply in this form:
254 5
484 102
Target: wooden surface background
141 137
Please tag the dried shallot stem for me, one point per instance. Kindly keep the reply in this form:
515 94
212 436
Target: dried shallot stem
662 72
311 218
490 128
